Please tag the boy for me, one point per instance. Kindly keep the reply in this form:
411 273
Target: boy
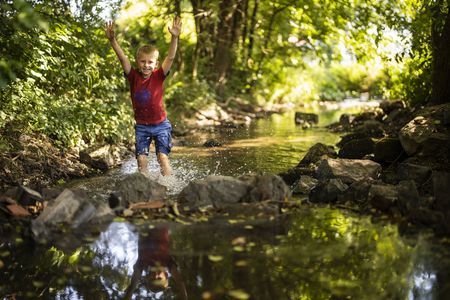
146 87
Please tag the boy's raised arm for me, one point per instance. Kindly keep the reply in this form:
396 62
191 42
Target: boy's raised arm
124 61
175 31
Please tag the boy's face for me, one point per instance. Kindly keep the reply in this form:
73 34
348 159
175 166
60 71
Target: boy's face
147 62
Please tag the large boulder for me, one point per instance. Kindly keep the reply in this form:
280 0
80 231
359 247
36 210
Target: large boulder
415 134
265 187
214 190
348 170
136 188
222 191
71 208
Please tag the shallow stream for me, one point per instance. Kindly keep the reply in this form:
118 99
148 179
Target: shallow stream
310 253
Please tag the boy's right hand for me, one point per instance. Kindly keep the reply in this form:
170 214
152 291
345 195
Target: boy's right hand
110 31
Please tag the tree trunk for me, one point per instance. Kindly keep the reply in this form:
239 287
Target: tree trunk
179 59
251 35
204 28
440 77
223 54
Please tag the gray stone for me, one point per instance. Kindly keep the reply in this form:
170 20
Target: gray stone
357 192
304 185
265 187
408 196
317 152
414 134
98 157
292 175
408 171
138 188
214 190
383 197
327 191
441 187
348 170
370 128
388 106
60 210
357 148
388 149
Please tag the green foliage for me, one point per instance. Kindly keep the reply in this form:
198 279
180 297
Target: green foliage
183 98
66 86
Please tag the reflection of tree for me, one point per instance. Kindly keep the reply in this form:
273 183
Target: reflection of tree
327 253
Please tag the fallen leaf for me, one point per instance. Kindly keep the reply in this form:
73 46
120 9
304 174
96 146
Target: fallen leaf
215 258
239 294
150 204
17 210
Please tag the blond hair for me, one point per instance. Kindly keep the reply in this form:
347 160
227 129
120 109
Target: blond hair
146 49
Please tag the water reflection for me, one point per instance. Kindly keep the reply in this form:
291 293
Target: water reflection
311 254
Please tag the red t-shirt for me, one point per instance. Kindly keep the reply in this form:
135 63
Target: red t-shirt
147 97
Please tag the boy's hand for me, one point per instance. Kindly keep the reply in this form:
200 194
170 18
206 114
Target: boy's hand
176 27
110 31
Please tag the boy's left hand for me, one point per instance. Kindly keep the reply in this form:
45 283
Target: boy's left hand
176 27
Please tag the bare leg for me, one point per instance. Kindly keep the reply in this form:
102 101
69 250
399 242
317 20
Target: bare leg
142 164
163 161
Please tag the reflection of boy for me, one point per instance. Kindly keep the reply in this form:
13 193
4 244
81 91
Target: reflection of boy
146 85
154 260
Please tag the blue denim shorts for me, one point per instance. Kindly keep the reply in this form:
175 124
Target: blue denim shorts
160 133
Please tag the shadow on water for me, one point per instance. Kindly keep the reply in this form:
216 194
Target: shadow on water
309 253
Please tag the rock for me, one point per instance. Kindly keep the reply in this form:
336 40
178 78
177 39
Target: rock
294 174
317 152
84 214
222 191
98 157
383 197
136 188
371 115
388 106
26 196
357 192
408 196
52 192
327 191
357 148
301 117
423 216
441 187
265 187
388 150
408 171
370 128
350 137
414 134
60 210
348 170
212 143
214 190
304 185
346 119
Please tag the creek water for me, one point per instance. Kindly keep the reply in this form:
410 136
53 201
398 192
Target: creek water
308 253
